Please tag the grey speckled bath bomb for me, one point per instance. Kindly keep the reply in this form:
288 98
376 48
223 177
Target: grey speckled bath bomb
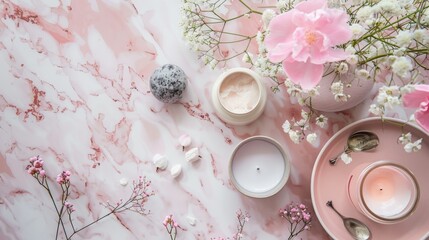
168 83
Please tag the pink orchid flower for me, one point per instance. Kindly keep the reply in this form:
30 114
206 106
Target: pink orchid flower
419 98
304 37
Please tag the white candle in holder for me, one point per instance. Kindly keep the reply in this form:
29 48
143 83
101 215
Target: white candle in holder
259 167
386 192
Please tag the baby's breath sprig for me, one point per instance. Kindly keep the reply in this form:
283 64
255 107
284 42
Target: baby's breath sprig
207 28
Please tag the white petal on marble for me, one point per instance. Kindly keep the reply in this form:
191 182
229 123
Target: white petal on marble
176 170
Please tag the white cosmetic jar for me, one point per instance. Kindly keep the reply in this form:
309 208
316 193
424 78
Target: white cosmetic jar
239 96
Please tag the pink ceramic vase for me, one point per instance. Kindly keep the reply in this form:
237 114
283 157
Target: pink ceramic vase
359 91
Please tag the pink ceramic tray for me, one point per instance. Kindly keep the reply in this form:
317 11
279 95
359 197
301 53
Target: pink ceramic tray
330 182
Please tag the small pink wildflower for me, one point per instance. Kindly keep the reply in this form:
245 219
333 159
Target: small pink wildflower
63 177
35 168
171 226
299 218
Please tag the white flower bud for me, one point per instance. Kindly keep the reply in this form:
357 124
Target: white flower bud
176 170
160 161
192 155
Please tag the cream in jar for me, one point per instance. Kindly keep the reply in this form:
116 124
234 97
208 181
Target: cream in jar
239 96
239 93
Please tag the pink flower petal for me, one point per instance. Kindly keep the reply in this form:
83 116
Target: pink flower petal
305 74
422 115
419 95
330 55
281 30
280 52
333 23
311 5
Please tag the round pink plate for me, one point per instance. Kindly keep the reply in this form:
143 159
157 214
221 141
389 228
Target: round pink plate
330 182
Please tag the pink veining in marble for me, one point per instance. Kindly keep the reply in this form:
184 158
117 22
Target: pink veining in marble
74 89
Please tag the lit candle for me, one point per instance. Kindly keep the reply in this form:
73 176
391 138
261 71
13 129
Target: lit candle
383 191
259 167
389 191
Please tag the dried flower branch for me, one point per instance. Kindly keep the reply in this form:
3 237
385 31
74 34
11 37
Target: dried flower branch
298 217
136 202
242 219
207 29
171 226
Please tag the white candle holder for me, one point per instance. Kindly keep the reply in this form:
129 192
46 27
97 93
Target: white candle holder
252 99
384 192
259 167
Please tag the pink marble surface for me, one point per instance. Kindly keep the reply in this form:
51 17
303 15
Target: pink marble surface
74 89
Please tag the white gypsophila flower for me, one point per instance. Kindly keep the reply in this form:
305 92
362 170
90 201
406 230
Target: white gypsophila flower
304 115
286 126
406 89
213 63
302 123
391 59
281 4
311 138
321 121
346 158
357 30
350 49
267 15
369 22
407 5
398 53
301 100
412 118
295 136
402 67
413 147
341 97
421 36
247 57
365 13
403 38
389 96
362 74
293 90
388 8
376 110
352 59
405 138
343 68
314 91
260 38
337 87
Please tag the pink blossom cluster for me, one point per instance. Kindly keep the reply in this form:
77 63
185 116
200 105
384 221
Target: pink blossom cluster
296 213
298 216
63 177
35 168
169 221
